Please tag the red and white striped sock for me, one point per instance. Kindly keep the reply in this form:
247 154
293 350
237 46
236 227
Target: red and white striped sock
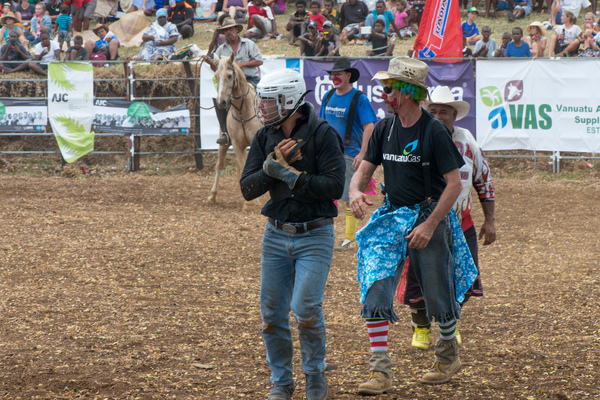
378 333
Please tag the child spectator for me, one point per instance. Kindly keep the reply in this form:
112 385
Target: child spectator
236 9
536 39
381 13
506 39
65 27
590 18
315 14
565 42
262 24
108 43
401 19
77 52
298 20
522 9
466 51
588 41
308 41
331 14
517 48
329 42
39 24
469 27
487 45
380 40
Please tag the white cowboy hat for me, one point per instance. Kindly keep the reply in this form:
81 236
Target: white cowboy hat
443 95
539 26
405 69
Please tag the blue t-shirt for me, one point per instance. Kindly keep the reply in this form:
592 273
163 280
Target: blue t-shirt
63 22
336 113
514 51
469 30
387 16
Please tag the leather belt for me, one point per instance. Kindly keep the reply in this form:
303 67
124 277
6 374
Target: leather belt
302 227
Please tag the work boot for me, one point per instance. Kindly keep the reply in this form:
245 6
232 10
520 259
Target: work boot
421 338
282 392
378 383
224 139
316 387
441 373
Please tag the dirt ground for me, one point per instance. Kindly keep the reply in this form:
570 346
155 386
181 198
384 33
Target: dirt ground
131 286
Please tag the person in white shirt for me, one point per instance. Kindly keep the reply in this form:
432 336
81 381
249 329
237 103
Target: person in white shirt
559 6
487 45
46 51
567 38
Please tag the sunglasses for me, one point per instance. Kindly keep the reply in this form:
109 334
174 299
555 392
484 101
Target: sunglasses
388 89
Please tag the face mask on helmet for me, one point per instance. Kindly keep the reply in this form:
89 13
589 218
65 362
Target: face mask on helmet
269 110
278 95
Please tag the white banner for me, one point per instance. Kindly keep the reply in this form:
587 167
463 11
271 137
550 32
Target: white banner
209 125
545 105
71 107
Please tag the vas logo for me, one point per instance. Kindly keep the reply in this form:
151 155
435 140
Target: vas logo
522 116
410 147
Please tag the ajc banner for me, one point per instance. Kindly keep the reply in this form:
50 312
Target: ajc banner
123 116
458 76
545 105
23 115
71 107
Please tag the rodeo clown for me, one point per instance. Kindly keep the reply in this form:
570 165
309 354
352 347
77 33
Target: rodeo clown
421 173
298 159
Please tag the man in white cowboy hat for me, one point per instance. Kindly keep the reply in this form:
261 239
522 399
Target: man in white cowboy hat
247 57
422 182
350 113
475 173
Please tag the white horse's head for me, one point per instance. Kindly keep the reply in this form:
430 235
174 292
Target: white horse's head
230 80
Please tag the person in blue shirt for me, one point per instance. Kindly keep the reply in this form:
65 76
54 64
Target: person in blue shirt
336 111
517 48
381 13
469 27
522 9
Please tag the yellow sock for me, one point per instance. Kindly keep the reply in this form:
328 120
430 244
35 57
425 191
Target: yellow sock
350 225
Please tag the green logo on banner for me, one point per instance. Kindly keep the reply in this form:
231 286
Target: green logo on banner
138 109
490 96
2 111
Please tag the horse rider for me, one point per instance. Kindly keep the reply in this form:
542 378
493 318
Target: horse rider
247 57
298 158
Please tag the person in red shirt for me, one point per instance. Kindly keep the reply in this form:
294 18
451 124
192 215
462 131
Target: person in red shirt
262 23
315 14
84 11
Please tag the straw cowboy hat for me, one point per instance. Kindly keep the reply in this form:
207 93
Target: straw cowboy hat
343 64
405 69
126 5
8 15
101 27
539 25
443 95
228 23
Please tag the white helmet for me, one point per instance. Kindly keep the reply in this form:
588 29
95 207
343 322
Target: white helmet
286 89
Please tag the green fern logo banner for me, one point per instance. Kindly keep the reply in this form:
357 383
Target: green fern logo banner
71 107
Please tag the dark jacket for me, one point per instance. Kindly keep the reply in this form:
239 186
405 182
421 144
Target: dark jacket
322 164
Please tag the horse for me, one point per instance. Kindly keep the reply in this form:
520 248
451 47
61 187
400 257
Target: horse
242 124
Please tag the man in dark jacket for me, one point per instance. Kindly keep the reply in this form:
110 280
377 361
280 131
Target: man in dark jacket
297 158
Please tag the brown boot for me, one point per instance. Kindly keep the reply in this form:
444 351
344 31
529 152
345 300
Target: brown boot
224 139
378 383
441 373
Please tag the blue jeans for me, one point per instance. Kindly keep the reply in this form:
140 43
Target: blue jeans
294 270
434 269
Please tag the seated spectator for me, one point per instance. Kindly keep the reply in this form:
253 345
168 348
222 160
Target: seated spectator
517 48
77 52
182 16
39 23
65 27
381 13
149 7
236 9
13 51
560 6
278 6
308 40
380 40
466 51
206 10
8 7
590 47
536 39
328 43
469 27
159 39
352 17
53 9
566 40
487 45
522 9
401 19
332 15
262 24
26 12
107 43
9 20
298 21
506 39
45 51
590 18
315 14
415 11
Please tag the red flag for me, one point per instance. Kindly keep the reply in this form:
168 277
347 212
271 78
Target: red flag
440 31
